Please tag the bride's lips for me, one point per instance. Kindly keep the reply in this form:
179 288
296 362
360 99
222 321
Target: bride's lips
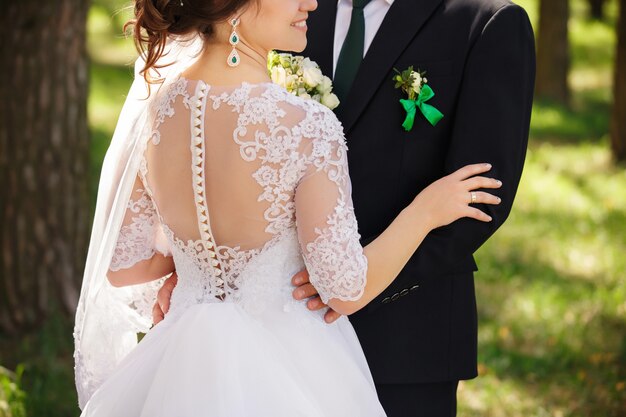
300 25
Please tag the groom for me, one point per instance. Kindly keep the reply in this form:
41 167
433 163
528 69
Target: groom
420 335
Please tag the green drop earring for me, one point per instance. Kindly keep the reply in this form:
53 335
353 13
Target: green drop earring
233 58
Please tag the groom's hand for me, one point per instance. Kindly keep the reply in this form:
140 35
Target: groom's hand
162 305
306 290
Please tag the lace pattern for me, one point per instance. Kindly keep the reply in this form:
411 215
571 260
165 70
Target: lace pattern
135 242
290 140
335 260
164 107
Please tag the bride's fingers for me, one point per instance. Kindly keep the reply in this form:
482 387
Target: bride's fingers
474 213
471 170
304 291
484 198
475 183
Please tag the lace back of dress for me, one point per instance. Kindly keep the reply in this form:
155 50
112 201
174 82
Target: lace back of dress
226 169
221 174
219 190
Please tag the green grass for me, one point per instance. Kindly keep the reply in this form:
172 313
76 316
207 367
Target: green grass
44 384
12 397
552 282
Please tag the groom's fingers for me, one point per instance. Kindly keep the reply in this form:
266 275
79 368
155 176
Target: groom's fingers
300 278
304 291
163 298
331 316
157 314
165 293
315 304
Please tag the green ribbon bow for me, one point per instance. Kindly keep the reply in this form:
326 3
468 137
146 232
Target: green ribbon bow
430 112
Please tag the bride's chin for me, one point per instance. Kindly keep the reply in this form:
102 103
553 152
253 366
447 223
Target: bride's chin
301 47
297 45
291 48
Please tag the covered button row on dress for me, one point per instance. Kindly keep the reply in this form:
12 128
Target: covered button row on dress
202 210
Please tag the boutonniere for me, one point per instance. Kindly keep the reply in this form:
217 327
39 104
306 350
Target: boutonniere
415 85
301 77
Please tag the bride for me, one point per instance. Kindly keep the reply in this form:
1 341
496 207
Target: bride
236 184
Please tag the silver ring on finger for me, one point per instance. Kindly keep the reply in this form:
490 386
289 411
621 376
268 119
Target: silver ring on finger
474 198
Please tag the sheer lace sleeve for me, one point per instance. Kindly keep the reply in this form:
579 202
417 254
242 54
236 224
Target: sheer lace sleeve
138 235
327 227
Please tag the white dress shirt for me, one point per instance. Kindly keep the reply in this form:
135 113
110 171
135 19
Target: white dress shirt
374 13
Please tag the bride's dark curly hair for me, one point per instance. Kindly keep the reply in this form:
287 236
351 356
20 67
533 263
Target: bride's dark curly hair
156 20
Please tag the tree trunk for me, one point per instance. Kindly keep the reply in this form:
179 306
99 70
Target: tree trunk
44 159
553 55
618 125
596 9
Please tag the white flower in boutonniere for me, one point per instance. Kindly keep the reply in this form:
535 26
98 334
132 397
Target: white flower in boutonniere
415 85
417 82
301 77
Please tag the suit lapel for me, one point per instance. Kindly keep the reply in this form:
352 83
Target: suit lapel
402 23
321 35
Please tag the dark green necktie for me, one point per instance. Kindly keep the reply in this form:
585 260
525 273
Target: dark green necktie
351 52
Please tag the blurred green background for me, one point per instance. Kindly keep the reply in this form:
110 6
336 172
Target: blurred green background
552 282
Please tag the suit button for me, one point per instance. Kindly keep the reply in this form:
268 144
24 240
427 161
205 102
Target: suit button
404 292
386 300
414 288
395 297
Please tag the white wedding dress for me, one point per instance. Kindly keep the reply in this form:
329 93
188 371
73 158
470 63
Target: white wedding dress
244 186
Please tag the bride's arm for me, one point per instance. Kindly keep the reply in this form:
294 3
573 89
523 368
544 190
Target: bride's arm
347 276
135 258
143 271
440 204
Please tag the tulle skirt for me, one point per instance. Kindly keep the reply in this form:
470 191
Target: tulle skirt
217 360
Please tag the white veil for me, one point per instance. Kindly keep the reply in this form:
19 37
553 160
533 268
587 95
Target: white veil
107 318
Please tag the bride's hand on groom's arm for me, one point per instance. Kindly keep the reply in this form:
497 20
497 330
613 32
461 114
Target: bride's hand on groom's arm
162 304
455 196
446 200
304 289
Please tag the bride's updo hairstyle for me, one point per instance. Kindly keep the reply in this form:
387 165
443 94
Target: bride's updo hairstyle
156 20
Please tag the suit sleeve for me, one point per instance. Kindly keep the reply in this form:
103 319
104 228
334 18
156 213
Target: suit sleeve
492 119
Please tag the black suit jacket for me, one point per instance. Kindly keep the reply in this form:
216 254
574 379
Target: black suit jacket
480 61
